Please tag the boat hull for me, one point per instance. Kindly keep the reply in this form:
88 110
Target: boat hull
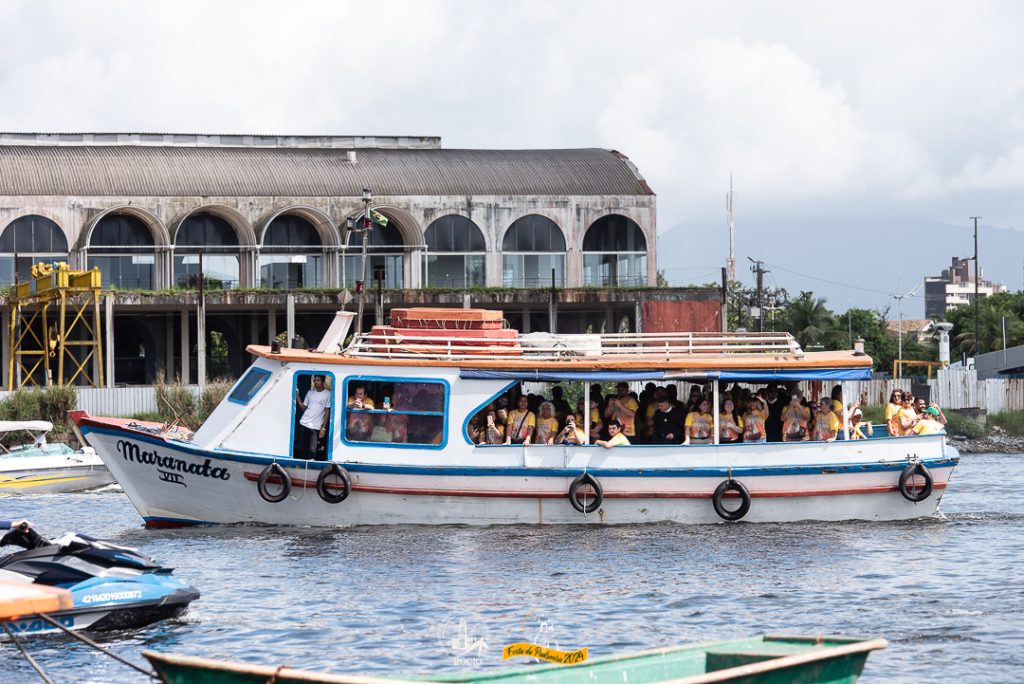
755 660
174 483
55 479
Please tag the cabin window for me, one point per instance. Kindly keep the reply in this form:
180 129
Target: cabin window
387 411
251 383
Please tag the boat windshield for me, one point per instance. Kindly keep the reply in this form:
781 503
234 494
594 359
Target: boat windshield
27 450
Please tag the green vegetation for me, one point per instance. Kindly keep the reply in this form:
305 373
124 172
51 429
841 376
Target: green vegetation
991 311
1012 422
42 403
963 427
874 414
177 402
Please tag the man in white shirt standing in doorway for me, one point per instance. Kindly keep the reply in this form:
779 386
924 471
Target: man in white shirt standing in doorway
316 416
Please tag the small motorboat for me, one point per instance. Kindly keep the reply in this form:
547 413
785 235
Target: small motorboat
44 468
112 587
753 660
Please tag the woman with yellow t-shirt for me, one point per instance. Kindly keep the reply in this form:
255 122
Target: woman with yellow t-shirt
891 409
906 418
730 424
795 417
825 426
547 425
699 425
753 421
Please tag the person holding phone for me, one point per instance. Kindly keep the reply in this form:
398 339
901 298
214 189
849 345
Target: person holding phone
493 431
571 433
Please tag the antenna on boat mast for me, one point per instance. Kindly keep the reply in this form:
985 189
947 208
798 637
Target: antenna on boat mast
732 231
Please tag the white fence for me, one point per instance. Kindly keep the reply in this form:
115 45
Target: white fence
960 388
116 401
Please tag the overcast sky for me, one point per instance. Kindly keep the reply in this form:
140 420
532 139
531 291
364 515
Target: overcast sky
824 109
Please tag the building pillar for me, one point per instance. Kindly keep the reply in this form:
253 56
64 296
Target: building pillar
108 326
169 348
494 276
573 268
526 321
271 324
415 280
185 348
290 319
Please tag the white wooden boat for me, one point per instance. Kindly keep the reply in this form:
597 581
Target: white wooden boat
44 468
240 465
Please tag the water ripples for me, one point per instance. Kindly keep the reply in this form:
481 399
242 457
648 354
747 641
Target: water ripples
399 600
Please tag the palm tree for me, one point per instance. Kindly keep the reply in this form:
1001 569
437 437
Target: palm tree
990 318
808 319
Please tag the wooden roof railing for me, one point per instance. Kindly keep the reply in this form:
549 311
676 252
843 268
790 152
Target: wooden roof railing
620 345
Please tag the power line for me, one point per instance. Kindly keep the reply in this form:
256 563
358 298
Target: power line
832 282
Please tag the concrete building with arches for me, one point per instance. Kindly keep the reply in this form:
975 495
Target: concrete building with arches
556 238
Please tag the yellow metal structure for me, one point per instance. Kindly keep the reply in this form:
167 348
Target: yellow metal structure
897 363
37 342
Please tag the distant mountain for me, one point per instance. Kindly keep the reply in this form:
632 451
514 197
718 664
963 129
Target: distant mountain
874 255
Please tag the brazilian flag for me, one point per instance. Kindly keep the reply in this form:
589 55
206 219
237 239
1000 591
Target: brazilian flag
378 218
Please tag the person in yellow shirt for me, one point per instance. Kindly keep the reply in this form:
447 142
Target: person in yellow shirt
493 431
795 417
547 425
521 423
891 409
826 425
858 428
595 419
572 433
615 438
730 424
906 418
699 425
753 421
623 408
929 423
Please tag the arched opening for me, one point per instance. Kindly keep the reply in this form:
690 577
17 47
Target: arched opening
122 247
30 240
614 253
455 254
292 255
385 256
214 239
533 248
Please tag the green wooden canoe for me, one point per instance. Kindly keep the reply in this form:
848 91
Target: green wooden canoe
755 660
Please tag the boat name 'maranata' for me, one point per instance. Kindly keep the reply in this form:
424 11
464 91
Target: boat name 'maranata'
441 418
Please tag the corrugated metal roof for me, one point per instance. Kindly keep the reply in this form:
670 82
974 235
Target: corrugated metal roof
132 170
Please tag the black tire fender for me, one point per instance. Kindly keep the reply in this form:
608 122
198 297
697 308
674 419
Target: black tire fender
273 470
731 485
586 479
326 494
916 495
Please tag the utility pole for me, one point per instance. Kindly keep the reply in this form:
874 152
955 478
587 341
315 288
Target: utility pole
361 283
732 231
758 268
977 275
725 301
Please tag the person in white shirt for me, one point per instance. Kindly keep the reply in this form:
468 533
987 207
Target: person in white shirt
316 416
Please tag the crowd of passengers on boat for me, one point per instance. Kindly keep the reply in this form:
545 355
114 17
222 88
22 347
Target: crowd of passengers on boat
774 413
386 411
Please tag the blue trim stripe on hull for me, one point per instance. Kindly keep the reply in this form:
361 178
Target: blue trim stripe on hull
518 471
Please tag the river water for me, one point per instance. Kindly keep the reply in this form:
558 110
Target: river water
947 593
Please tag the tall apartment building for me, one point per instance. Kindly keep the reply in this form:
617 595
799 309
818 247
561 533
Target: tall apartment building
955 287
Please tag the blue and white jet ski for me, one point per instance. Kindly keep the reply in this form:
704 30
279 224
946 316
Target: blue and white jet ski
113 587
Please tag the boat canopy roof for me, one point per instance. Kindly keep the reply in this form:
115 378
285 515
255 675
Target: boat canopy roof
30 425
479 343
